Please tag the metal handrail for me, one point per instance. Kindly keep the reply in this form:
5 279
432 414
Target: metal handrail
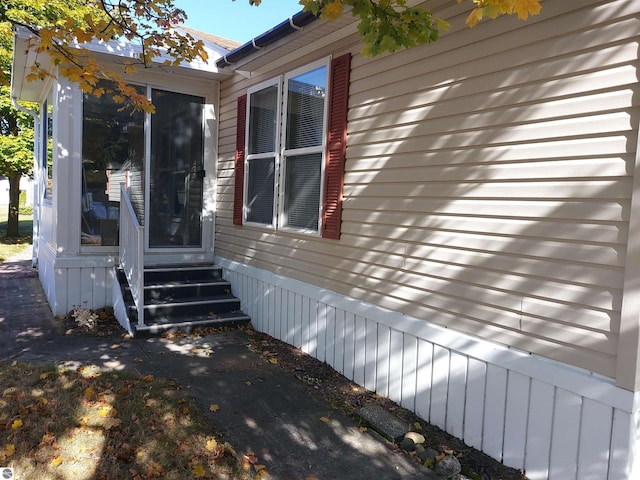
132 251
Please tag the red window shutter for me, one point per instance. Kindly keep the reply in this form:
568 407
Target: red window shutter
238 193
336 146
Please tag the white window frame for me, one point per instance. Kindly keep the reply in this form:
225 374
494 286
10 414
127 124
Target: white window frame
277 82
282 153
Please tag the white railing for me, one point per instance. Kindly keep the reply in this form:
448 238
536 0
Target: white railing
132 250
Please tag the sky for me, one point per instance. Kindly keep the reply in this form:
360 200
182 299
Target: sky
236 20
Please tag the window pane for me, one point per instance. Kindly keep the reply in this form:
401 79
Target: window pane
263 106
305 109
302 191
112 146
260 178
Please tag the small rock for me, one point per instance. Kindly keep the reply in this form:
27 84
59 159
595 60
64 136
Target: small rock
407 444
448 467
419 449
428 455
416 437
383 422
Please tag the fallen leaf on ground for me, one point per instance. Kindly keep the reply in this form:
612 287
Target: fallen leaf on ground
324 419
16 424
110 423
9 449
147 378
154 469
90 371
211 445
214 407
198 471
55 462
273 360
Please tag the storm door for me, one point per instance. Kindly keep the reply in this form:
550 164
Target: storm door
176 171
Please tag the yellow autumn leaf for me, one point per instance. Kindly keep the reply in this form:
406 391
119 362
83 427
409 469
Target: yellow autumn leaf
259 468
198 471
332 10
324 419
147 378
107 412
248 383
89 393
16 424
90 371
43 401
262 474
311 478
212 444
273 360
9 449
55 462
214 407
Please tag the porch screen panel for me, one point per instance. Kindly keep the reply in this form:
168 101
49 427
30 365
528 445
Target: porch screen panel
176 171
112 153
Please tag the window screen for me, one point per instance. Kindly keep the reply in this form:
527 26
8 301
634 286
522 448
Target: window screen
260 183
302 186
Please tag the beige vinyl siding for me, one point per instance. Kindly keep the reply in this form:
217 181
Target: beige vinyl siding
488 181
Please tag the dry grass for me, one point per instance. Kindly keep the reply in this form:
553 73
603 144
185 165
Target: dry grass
83 424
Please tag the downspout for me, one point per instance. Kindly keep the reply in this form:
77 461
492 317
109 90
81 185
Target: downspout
37 174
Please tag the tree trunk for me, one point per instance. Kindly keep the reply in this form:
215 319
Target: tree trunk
14 204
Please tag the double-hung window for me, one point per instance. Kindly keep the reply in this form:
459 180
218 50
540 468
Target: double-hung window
290 149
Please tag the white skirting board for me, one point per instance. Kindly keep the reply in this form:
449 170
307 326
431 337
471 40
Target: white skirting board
552 420
75 282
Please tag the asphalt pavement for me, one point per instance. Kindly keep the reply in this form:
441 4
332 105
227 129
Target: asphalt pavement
263 409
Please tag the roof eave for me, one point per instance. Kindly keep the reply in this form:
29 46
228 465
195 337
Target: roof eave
293 24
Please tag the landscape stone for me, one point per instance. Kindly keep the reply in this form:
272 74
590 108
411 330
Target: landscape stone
383 422
448 467
428 454
416 437
407 444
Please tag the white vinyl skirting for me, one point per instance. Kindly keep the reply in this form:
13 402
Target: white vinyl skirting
552 420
